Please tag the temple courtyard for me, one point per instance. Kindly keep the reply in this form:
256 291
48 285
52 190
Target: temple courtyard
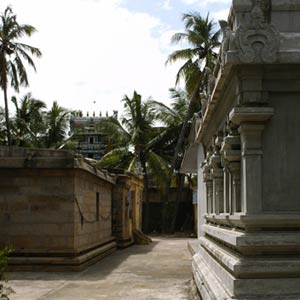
161 270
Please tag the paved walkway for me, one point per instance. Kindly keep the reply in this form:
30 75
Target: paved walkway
160 271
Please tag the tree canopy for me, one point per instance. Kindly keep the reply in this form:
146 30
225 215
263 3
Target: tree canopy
12 56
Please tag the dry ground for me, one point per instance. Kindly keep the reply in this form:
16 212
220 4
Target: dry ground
160 271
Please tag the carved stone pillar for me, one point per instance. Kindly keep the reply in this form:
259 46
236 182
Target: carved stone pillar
232 155
209 187
235 170
251 126
227 186
218 177
209 191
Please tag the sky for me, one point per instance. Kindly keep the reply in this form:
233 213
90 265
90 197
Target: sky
96 51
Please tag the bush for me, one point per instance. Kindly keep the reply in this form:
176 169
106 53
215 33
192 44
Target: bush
5 290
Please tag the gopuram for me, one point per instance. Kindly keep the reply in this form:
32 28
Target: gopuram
249 136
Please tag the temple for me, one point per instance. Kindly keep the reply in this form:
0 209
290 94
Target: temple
247 158
88 134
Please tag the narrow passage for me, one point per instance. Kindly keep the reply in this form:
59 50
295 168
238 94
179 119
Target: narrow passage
159 271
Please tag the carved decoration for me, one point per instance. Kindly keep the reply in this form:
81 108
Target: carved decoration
228 42
258 41
203 99
211 81
255 42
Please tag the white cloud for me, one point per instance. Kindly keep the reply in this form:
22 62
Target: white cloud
166 5
93 50
189 2
221 14
204 3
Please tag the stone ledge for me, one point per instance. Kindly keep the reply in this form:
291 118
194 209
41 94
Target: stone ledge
124 243
255 221
51 264
193 247
248 267
266 242
250 114
209 284
32 158
266 220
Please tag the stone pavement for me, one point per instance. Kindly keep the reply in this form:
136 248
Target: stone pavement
159 271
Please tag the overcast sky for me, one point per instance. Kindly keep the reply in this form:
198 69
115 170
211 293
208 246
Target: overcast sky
95 51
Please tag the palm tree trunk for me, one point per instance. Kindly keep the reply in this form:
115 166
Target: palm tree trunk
147 201
178 198
7 116
179 145
146 194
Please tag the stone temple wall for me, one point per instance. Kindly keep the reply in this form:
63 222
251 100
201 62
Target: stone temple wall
250 239
127 206
55 209
96 225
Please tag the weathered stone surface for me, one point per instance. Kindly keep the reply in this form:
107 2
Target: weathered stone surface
54 210
127 208
250 250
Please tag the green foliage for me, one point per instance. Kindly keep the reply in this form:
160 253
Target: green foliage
12 53
203 39
2 127
130 139
34 126
57 124
5 291
172 119
70 145
116 134
12 56
28 123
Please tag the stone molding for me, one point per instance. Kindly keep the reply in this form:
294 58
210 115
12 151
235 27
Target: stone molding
258 41
18 158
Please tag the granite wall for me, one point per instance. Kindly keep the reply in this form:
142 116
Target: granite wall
55 209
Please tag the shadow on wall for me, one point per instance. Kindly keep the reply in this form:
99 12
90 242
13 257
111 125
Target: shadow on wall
185 216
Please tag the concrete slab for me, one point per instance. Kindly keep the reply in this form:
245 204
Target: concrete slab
159 271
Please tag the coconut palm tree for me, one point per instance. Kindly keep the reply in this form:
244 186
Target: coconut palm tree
12 54
28 124
203 40
173 118
2 127
57 123
134 141
131 135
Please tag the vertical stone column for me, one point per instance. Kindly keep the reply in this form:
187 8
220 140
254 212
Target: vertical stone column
227 176
232 156
209 187
251 126
227 186
235 170
252 167
218 177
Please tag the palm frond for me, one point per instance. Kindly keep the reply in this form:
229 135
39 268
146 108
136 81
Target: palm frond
159 169
180 54
178 37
